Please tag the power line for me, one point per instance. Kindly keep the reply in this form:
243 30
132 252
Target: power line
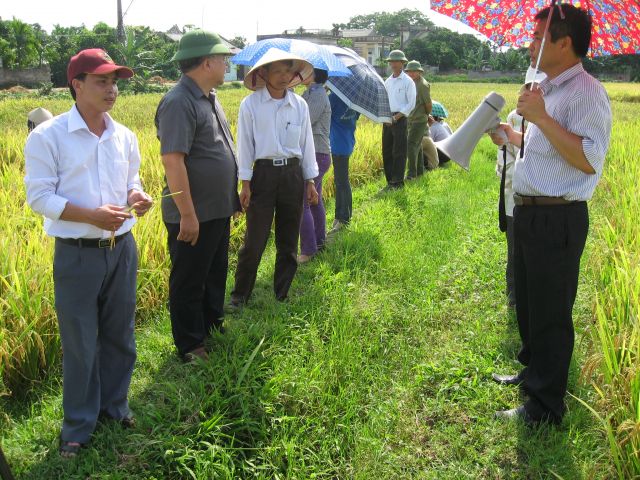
125 12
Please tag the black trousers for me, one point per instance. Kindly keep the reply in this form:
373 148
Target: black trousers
548 244
394 151
275 191
197 282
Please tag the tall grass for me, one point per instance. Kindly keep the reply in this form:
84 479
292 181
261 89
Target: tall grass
616 332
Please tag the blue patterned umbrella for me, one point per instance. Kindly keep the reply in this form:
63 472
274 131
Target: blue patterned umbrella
317 55
364 91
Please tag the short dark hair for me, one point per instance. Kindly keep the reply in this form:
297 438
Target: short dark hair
320 75
189 64
576 25
82 77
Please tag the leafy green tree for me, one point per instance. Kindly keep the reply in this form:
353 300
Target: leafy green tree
65 43
388 23
19 46
238 41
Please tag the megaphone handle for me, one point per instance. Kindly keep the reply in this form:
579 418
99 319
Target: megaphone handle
524 128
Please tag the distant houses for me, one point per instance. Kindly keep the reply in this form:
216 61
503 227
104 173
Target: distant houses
367 43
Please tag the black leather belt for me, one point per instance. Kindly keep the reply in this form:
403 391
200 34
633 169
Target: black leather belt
92 242
277 162
521 200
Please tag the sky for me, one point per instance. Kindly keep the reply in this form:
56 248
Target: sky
229 18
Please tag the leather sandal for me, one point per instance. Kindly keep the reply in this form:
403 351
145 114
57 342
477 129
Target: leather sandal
69 449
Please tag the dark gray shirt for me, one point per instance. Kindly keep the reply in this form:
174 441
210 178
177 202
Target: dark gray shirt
189 122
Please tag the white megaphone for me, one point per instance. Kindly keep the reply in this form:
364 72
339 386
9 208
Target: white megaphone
459 146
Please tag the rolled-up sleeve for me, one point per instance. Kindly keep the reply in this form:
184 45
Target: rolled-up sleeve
176 123
309 163
41 179
246 146
591 120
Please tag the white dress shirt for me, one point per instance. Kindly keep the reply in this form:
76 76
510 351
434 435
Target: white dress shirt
273 128
402 93
66 162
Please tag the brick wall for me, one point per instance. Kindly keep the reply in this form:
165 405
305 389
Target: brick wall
27 77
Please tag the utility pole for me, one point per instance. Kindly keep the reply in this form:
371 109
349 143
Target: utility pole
120 31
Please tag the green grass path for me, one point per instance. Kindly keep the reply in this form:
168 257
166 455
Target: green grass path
378 367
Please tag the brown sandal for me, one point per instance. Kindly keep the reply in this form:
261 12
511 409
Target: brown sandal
69 449
196 354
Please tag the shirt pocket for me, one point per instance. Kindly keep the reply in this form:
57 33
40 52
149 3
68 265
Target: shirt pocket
292 136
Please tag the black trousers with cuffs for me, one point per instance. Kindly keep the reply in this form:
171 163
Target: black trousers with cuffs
394 151
276 191
549 241
197 282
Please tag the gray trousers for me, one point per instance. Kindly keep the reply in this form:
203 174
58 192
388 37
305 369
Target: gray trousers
95 297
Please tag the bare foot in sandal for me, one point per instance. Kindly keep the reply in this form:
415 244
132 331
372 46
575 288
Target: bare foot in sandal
69 449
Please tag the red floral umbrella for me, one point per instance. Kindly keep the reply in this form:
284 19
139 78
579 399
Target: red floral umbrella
616 23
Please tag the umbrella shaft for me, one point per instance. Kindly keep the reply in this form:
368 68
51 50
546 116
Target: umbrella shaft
544 40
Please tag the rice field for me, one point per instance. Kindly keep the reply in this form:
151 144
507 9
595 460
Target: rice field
30 347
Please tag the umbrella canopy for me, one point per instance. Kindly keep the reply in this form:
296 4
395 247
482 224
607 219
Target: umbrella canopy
317 55
364 90
438 110
616 23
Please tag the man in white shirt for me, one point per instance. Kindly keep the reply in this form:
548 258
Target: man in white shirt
402 100
276 165
82 175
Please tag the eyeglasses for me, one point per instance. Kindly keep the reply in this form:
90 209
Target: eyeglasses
224 59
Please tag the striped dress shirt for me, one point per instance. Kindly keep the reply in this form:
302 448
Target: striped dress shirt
580 104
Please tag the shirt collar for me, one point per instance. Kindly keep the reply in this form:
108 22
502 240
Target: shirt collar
402 74
265 96
76 122
193 87
547 85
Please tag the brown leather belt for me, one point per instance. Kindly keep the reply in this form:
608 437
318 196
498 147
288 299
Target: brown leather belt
524 201
277 162
92 242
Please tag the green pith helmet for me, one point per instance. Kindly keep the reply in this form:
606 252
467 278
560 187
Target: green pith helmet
199 43
397 56
414 66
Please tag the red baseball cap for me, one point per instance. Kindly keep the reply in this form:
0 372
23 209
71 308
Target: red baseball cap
97 62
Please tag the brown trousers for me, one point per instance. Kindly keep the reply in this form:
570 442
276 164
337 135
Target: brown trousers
275 191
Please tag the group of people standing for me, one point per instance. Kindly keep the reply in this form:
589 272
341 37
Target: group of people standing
82 176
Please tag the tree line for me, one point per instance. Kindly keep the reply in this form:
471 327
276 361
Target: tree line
149 52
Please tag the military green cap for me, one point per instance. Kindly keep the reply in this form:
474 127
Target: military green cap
397 56
414 66
199 43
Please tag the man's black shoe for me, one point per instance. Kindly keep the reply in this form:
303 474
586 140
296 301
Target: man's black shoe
507 379
515 414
